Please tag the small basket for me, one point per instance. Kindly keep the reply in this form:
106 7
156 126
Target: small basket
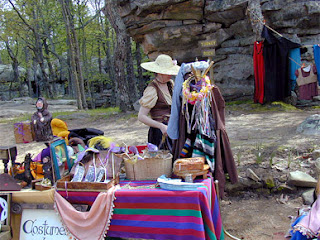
149 168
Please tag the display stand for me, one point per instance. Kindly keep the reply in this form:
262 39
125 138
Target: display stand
56 147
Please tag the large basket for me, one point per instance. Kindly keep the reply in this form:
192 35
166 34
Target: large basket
149 168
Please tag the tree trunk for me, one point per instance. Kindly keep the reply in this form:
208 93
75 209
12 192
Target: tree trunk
36 80
26 51
131 81
15 69
109 69
112 12
74 54
39 54
71 81
141 81
52 75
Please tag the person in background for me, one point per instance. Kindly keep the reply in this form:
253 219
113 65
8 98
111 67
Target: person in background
41 121
157 98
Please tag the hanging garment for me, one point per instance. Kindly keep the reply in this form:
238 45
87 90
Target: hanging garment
87 225
275 54
294 64
307 82
316 53
258 67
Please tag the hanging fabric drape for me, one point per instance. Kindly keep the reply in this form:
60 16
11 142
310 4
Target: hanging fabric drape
316 53
294 64
258 67
275 53
87 225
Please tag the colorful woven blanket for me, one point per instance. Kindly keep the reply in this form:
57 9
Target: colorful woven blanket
143 211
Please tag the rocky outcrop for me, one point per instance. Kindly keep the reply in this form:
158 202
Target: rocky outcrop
7 83
176 27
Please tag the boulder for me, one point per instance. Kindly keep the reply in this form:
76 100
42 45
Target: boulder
310 126
301 179
176 27
308 197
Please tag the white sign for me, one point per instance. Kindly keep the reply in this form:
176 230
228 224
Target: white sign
41 224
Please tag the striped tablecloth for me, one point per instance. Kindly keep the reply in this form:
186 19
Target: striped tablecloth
153 213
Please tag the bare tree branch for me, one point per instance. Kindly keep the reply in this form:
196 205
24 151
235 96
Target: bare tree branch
20 16
90 20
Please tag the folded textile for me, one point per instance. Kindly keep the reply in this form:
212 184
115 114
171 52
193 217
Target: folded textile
310 225
87 225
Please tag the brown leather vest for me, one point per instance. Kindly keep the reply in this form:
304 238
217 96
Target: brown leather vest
162 110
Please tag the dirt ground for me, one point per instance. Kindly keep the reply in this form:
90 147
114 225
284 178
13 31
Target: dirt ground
250 216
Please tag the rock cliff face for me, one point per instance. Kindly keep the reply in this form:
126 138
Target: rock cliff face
177 27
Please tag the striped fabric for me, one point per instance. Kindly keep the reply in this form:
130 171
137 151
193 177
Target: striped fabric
154 213
204 146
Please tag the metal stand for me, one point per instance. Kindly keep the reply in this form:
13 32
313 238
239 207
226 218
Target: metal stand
216 184
8 153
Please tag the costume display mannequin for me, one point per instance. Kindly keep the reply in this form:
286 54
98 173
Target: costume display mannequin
208 114
41 121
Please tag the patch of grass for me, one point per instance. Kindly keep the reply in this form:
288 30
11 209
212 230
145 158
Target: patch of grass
99 112
258 153
251 107
21 118
102 111
272 155
285 106
290 158
238 102
55 114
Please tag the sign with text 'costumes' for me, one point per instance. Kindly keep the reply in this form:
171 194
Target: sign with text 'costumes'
41 224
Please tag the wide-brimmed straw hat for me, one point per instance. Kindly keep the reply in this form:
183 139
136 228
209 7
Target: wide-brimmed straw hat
163 64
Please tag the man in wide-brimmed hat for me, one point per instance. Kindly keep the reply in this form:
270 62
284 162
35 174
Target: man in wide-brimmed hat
157 98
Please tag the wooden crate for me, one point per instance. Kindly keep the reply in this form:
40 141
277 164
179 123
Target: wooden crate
66 184
23 132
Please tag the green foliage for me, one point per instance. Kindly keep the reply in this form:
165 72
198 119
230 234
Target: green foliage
290 157
238 157
258 153
272 155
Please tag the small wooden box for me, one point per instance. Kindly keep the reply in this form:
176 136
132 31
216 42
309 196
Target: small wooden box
23 132
185 164
65 183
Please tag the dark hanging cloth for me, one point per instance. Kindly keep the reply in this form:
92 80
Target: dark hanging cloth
85 134
275 53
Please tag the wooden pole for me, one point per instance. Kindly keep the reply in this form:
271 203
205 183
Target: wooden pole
211 72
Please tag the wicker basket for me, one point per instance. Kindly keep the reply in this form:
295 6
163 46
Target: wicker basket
149 168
